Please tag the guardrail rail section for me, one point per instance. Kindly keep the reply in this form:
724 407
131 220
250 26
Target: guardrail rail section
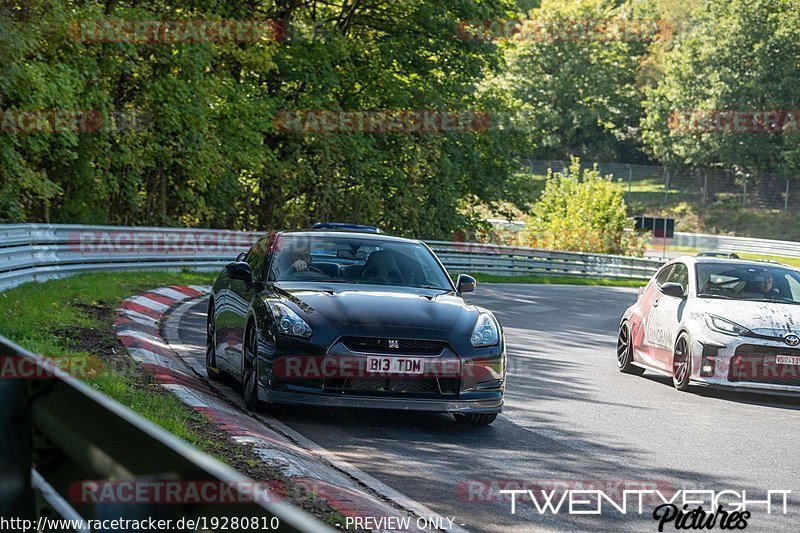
37 252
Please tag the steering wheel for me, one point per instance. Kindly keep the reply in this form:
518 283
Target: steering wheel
314 269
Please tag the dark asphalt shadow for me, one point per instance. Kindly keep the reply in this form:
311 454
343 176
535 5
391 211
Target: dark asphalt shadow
747 398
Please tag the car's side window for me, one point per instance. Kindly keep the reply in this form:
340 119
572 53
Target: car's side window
662 276
679 274
794 287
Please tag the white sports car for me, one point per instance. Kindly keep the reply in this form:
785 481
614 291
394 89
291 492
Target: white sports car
723 323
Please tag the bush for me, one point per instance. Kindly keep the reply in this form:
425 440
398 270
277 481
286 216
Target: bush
580 210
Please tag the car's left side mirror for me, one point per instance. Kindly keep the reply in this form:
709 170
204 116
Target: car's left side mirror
673 289
239 270
465 283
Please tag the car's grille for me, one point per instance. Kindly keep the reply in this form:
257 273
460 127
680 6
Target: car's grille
397 386
394 385
386 345
757 364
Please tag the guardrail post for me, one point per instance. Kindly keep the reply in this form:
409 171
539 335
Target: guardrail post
630 179
705 187
786 197
744 194
16 492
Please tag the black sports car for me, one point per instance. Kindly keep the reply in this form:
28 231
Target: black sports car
354 320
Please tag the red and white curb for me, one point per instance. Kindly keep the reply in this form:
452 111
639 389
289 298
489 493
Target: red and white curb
138 326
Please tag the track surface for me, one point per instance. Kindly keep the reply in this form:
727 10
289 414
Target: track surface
571 416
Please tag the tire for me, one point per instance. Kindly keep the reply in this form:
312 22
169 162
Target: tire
212 371
625 352
250 378
250 373
475 419
682 363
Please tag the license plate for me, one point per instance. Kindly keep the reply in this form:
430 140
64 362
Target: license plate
793 360
394 365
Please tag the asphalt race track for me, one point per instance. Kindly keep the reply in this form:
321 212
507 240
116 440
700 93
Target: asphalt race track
570 416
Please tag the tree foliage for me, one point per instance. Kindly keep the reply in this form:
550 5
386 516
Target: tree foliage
205 150
736 55
578 93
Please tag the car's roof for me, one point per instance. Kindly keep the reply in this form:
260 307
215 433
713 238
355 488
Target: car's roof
346 233
345 226
716 253
728 261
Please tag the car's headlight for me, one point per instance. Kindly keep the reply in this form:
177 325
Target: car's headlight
288 322
723 325
486 332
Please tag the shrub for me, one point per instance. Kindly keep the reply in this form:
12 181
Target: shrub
580 210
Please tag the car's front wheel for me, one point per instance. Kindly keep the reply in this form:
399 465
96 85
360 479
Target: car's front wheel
250 373
625 351
212 371
250 377
682 363
475 419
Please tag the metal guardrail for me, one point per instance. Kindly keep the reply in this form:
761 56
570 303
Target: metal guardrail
737 244
520 261
37 252
57 431
40 252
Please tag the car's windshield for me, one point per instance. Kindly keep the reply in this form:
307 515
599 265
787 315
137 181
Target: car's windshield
748 282
356 259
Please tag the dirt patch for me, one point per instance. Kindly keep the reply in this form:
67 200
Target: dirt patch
86 339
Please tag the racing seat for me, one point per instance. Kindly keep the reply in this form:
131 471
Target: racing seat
382 266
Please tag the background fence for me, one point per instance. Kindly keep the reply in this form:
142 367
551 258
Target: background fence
650 184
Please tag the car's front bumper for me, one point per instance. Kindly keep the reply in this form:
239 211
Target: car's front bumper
784 380
338 377
749 387
491 404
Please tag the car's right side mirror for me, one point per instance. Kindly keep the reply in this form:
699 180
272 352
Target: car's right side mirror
465 283
673 289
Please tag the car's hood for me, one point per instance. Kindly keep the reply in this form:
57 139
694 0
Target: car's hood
764 318
380 310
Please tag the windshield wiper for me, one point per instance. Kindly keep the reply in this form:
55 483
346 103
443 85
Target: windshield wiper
776 300
432 287
720 296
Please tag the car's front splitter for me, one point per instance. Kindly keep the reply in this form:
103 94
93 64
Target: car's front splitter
485 405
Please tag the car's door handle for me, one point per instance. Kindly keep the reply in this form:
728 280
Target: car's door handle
655 304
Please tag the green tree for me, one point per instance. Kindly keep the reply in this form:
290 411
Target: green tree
737 55
578 93
206 151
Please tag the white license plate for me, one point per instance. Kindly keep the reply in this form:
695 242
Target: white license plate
788 360
394 365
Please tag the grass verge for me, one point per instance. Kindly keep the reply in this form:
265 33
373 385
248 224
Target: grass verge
72 319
